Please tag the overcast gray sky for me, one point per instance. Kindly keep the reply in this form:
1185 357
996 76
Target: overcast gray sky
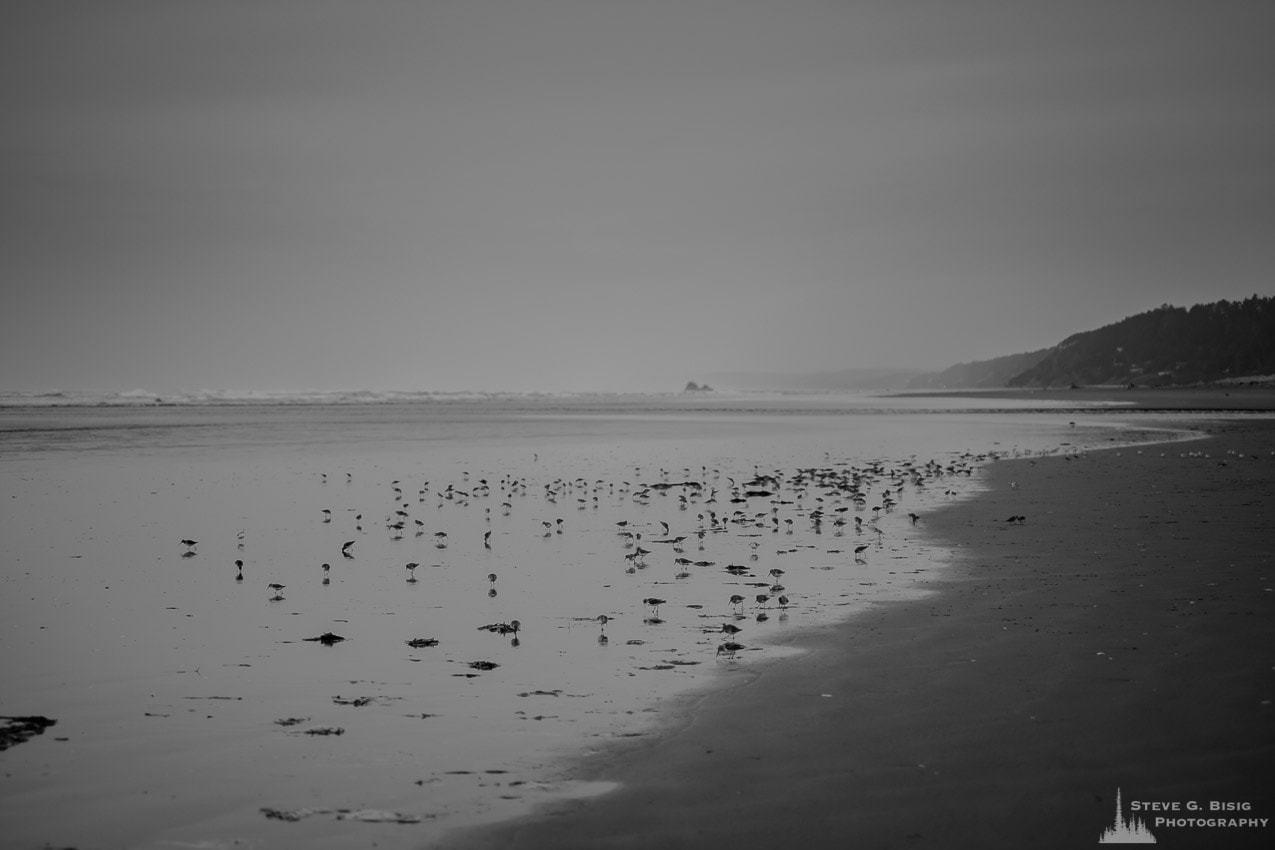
583 194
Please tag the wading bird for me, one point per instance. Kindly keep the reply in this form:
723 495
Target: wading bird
654 603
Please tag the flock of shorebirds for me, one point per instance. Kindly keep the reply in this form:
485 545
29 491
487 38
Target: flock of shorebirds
840 497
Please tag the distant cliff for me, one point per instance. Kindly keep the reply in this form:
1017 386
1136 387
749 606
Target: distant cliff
1166 346
979 374
1207 343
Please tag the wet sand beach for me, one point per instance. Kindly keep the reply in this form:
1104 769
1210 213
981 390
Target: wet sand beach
422 717
1121 635
329 662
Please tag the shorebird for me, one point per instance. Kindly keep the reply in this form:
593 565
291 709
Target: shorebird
411 572
345 548
655 604
239 567
276 590
326 567
737 601
487 540
858 552
729 649
731 629
190 544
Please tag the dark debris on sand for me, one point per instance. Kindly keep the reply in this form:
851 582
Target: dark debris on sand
327 639
19 730
357 702
291 721
364 815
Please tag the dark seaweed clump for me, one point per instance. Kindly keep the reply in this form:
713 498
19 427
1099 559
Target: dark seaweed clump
18 730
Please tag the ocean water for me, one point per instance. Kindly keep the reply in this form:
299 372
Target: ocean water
192 706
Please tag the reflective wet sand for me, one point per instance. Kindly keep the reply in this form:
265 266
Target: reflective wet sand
195 706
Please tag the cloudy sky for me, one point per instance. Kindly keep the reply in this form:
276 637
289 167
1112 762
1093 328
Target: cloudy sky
584 194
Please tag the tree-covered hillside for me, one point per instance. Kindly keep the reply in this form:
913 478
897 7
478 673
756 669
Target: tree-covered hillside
979 374
1165 346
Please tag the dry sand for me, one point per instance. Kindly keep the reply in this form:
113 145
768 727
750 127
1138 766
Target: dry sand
1122 636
